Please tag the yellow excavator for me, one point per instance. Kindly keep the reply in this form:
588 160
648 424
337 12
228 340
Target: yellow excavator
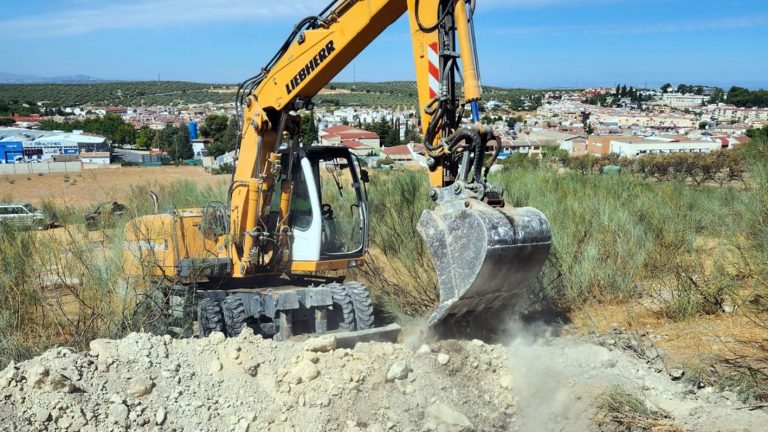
296 212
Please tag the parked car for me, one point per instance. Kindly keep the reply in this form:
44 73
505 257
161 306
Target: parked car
23 216
104 214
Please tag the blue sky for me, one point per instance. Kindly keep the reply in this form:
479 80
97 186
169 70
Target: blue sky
523 43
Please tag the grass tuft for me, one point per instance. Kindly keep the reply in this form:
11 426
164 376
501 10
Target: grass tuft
619 410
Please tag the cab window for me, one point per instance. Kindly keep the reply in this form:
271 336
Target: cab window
301 206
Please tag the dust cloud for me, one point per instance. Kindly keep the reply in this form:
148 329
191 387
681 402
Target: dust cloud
548 397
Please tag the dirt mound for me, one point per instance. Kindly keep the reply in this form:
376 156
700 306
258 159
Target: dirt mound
146 382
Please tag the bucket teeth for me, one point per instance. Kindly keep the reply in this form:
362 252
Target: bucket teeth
486 258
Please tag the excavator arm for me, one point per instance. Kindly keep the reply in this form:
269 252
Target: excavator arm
485 255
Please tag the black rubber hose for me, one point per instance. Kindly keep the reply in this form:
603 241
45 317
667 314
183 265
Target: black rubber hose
440 19
433 127
495 156
479 156
463 134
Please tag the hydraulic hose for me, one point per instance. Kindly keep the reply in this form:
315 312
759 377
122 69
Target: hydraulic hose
479 156
476 145
464 134
494 157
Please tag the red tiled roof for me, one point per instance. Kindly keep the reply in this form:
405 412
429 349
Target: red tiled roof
30 119
400 150
358 135
348 132
341 128
355 145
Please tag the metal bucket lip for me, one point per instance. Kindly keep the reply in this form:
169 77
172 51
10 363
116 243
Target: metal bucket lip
478 247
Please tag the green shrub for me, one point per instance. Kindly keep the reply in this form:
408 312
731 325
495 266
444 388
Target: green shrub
64 288
399 267
226 168
617 237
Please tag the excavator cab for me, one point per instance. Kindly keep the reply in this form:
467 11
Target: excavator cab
329 207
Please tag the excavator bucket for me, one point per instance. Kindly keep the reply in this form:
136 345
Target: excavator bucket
486 259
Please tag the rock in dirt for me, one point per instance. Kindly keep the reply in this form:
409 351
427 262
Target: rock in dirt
140 387
398 371
118 414
160 416
448 417
443 358
676 374
321 344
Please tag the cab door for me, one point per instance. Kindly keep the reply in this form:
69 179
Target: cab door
306 217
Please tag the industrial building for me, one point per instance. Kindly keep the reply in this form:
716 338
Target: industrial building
141 157
635 148
25 145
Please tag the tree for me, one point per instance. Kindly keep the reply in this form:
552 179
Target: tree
718 96
231 134
308 130
214 126
666 87
125 134
145 138
166 137
413 135
222 130
6 121
182 149
742 97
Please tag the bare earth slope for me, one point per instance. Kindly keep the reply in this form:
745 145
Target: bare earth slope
146 382
153 383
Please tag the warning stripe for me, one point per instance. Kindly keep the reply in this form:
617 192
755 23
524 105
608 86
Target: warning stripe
434 70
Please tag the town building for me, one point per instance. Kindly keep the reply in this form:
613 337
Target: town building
25 145
141 157
404 153
95 158
601 145
358 148
633 148
677 100
338 135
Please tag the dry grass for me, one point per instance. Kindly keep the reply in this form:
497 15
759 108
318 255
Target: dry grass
68 286
619 410
90 186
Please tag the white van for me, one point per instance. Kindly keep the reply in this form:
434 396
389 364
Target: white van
23 216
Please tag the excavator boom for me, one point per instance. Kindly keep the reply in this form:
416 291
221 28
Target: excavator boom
279 222
486 256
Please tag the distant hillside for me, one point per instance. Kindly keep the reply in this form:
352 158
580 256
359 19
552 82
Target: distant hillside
404 94
6 78
117 93
394 94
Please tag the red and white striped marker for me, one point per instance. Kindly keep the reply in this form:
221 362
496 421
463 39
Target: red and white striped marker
434 70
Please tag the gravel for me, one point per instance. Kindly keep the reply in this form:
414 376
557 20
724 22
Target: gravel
152 383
